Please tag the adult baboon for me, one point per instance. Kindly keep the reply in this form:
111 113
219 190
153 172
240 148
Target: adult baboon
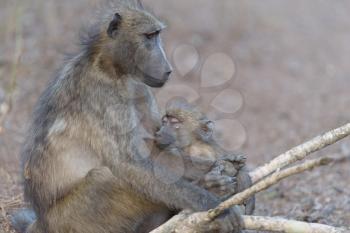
86 164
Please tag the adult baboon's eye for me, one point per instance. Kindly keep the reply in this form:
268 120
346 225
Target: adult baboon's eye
152 35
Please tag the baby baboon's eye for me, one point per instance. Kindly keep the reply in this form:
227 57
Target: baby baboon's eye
174 120
165 120
152 34
176 123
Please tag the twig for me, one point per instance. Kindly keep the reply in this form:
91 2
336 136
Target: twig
288 226
300 152
185 223
11 203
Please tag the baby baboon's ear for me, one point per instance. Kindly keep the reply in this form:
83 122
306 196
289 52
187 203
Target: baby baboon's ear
206 130
114 25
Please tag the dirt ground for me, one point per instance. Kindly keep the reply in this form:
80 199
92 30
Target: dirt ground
284 67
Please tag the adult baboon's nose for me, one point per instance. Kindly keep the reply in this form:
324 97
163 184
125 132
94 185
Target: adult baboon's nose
168 73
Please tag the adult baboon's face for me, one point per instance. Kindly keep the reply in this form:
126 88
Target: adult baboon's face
137 48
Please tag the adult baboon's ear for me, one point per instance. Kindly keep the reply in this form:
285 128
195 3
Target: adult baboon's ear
114 25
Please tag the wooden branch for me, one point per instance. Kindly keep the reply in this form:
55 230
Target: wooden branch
287 226
266 183
300 152
186 223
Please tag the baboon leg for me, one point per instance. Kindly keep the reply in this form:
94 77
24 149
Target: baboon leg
95 205
34 228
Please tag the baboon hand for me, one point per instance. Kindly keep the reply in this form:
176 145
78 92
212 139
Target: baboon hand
221 185
229 221
231 164
234 158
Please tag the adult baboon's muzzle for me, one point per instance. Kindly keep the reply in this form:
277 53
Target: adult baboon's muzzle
157 82
153 82
156 69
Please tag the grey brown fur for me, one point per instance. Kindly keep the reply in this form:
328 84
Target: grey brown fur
186 130
86 165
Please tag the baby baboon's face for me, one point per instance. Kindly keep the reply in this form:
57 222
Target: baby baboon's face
168 134
177 132
183 125
137 48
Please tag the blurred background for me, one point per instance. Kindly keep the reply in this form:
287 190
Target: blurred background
271 73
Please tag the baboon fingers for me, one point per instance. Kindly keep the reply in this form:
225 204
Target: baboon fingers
217 169
230 221
235 158
221 182
220 179
230 188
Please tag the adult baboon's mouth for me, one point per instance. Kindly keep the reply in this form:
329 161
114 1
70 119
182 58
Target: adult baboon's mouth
154 82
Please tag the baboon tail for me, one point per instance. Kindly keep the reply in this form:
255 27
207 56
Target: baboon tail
22 219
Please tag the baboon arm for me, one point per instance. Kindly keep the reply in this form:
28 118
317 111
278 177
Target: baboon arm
192 168
196 168
180 194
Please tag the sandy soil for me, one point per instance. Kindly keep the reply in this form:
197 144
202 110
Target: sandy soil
290 83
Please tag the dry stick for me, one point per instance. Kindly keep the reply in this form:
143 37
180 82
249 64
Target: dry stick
300 152
189 223
184 223
287 226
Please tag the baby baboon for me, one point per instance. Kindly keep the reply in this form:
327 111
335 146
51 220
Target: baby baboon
86 165
186 129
